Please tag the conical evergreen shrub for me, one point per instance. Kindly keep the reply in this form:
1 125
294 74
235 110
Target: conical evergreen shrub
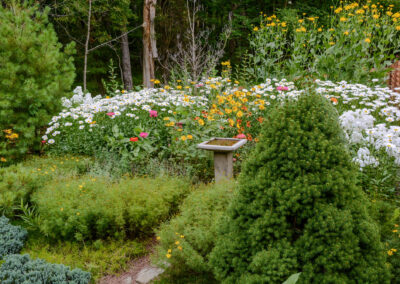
298 207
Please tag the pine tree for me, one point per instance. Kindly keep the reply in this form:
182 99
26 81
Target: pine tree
35 73
298 208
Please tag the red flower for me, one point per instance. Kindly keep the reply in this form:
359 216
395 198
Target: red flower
133 139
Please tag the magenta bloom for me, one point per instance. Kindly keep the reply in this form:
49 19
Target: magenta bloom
282 88
241 136
110 113
144 134
153 113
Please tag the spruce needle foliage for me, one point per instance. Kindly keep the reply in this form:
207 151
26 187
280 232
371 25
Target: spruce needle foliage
298 207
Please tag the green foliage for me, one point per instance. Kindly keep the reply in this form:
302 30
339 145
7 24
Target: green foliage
298 207
11 237
354 43
18 182
100 258
187 240
35 74
89 208
22 269
382 181
292 279
387 215
112 84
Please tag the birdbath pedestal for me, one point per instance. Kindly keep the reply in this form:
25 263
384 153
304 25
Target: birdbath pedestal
223 154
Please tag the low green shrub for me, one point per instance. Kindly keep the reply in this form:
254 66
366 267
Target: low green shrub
18 182
11 237
100 258
95 208
22 269
187 240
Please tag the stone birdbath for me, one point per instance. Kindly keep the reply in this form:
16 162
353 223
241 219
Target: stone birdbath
223 154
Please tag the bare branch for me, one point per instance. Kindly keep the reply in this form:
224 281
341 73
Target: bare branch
114 39
194 56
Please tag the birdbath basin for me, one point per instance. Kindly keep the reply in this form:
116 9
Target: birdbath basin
223 154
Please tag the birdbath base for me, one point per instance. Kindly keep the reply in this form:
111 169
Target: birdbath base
223 155
223 165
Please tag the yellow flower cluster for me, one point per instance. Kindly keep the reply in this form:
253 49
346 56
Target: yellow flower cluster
187 137
177 243
155 81
10 134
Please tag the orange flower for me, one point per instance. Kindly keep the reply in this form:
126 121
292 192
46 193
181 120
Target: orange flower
334 100
260 119
249 137
248 124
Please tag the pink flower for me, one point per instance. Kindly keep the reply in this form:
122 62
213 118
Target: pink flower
110 113
199 85
241 136
282 88
43 141
153 113
234 159
144 134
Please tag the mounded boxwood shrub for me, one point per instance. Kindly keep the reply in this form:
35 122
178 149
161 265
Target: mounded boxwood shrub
18 182
94 208
195 230
298 208
11 238
22 269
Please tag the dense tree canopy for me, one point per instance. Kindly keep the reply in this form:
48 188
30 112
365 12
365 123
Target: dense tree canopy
111 18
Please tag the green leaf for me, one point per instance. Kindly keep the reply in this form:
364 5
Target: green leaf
292 279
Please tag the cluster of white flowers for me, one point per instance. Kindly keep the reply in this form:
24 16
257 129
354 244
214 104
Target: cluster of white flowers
360 129
81 108
364 158
368 121
355 123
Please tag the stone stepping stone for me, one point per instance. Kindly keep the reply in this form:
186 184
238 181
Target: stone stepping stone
148 274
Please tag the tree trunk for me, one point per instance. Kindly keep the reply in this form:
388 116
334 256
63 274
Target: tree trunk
149 42
126 62
87 45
